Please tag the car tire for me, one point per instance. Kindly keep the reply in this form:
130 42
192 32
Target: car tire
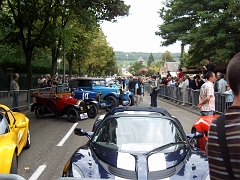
28 143
39 112
195 141
92 110
72 115
51 105
111 102
14 166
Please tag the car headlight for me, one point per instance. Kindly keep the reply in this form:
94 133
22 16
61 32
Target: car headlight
77 172
81 104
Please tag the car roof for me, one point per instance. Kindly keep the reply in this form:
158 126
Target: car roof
90 78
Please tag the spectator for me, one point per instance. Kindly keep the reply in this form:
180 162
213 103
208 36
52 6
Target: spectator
153 93
132 83
126 82
219 88
206 97
14 87
168 74
225 165
209 66
229 96
49 81
198 83
221 83
139 91
180 74
182 88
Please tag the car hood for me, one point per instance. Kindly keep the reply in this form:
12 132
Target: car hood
98 162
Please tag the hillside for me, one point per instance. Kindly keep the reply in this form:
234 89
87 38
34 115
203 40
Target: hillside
133 56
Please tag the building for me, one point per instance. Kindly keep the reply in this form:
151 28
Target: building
172 67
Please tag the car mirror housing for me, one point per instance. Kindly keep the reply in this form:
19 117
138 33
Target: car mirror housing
21 125
81 132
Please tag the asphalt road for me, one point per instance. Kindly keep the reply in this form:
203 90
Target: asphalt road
51 146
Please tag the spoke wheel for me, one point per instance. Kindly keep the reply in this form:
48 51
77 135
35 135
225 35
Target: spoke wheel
72 115
111 102
92 110
39 112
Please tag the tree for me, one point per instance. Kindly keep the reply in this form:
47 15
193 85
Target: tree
150 59
211 28
167 57
30 24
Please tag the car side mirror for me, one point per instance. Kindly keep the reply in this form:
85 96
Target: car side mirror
196 135
81 132
21 125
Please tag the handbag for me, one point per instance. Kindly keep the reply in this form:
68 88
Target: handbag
223 145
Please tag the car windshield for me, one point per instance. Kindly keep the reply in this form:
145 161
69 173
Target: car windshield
138 134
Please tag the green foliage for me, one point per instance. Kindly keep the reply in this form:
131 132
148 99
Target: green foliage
167 57
150 60
136 67
211 28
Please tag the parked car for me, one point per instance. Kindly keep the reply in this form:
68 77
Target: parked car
114 96
14 136
87 96
62 103
202 125
137 143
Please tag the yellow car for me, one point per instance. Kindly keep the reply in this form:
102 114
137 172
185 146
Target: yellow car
14 136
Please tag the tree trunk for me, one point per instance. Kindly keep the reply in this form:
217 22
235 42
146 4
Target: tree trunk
54 61
28 54
70 63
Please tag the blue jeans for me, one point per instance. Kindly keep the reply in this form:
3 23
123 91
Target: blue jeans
207 113
15 101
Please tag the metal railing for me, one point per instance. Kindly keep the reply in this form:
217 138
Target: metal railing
177 96
25 99
188 98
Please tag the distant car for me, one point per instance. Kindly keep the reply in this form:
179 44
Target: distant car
62 103
137 143
114 96
14 136
202 125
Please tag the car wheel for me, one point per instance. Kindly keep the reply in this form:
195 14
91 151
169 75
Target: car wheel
72 115
111 102
131 101
28 143
92 110
195 141
14 166
39 112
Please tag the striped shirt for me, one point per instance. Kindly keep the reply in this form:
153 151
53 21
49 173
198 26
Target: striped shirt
207 89
232 128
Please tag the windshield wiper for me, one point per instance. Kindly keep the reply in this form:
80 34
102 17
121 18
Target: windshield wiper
164 147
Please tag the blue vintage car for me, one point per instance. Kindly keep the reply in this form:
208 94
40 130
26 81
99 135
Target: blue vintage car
113 96
87 96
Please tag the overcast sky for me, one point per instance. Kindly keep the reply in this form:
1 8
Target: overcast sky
136 32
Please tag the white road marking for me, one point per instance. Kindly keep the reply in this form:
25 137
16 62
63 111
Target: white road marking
67 135
38 172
